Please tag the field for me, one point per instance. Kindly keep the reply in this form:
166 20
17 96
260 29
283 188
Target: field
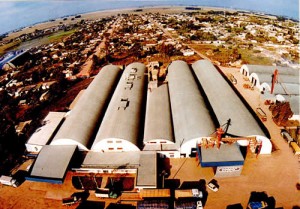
59 36
8 47
225 55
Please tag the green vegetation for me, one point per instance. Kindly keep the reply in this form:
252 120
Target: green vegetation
59 36
232 54
8 47
249 57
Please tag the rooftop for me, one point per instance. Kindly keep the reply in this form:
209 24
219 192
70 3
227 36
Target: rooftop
52 163
226 155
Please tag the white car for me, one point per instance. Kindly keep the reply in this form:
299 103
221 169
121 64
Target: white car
197 193
199 205
212 185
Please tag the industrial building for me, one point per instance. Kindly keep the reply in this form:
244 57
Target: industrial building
44 134
123 128
52 163
241 122
286 87
158 131
276 85
191 118
81 123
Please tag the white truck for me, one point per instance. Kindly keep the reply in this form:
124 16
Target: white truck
9 181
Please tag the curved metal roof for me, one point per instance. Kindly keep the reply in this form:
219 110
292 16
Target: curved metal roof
270 69
158 121
267 77
80 125
286 88
224 101
122 119
191 117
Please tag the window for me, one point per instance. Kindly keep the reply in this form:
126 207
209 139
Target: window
120 148
110 148
118 141
109 141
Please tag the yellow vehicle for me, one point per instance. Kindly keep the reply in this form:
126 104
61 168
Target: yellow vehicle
295 147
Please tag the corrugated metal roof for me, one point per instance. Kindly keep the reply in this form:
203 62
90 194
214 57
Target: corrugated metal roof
271 69
286 88
80 125
224 101
52 162
226 155
122 119
44 133
191 117
111 160
158 121
263 77
147 171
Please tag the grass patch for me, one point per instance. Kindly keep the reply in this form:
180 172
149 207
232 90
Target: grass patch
249 57
8 47
223 55
59 36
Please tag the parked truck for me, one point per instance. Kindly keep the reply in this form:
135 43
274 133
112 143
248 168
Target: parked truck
9 181
186 193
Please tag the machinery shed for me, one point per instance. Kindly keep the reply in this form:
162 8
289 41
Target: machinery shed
225 102
228 159
143 164
43 135
158 121
121 125
82 122
191 118
52 163
226 155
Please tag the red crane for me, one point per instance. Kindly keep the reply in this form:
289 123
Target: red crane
274 80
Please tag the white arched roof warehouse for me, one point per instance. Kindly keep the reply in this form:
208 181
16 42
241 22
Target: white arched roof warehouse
80 125
225 102
121 125
158 120
191 118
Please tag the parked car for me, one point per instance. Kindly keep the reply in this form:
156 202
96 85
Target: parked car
197 193
212 185
199 205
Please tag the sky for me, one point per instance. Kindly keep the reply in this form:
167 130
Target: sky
21 13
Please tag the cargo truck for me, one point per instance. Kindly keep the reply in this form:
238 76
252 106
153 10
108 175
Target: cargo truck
9 181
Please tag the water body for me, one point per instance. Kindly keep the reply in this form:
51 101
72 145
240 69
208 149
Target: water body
17 14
